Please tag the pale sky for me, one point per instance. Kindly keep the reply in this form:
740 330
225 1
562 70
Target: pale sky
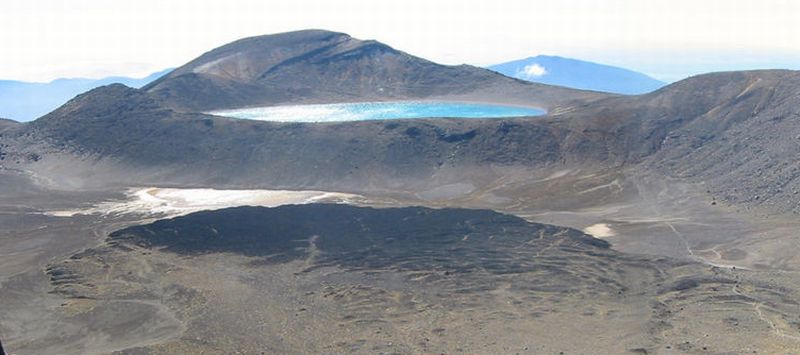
46 39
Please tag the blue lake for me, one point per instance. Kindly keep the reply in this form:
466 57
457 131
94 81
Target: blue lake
377 111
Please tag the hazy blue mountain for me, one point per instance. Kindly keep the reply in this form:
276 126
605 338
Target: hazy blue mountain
578 74
24 101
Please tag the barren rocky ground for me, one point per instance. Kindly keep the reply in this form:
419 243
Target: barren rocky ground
662 223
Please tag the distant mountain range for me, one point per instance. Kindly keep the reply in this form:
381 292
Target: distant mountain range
578 74
161 133
163 126
25 101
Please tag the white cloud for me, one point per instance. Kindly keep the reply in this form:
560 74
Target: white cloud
533 71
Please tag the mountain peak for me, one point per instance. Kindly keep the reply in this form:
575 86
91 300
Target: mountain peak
737 83
7 123
579 74
104 101
246 59
25 101
317 66
299 35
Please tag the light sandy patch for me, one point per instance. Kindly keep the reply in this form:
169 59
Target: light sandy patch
614 183
599 230
556 175
177 202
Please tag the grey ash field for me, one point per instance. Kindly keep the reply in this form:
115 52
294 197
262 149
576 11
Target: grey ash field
468 236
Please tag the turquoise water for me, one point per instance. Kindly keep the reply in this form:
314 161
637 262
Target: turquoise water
377 111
